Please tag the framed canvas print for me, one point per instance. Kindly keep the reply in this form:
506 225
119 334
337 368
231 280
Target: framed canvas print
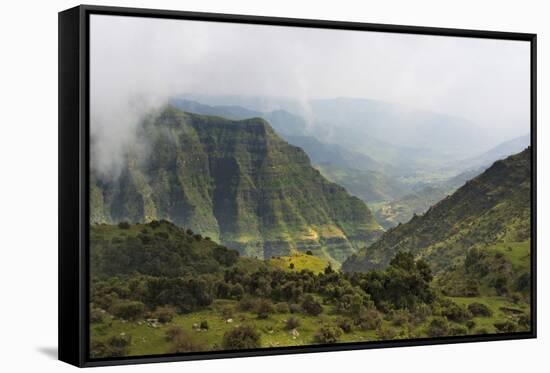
236 186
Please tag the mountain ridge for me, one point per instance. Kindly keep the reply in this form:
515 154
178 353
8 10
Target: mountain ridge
489 208
237 182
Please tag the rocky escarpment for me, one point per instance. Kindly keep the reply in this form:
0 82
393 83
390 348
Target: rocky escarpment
237 182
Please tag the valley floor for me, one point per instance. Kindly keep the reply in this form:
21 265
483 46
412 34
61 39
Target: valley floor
223 315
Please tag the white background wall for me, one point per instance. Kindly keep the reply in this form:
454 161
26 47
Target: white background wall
28 184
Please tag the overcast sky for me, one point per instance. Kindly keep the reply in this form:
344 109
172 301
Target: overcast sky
136 63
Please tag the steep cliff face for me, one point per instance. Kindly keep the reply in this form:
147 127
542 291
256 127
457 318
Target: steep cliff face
237 182
493 208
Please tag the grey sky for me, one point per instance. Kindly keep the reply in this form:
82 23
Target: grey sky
145 60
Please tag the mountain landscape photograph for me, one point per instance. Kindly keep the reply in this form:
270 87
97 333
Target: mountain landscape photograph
256 187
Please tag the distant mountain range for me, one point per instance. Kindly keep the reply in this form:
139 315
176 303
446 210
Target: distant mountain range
492 208
407 139
237 182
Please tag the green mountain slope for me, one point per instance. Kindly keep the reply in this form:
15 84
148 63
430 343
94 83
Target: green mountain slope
370 186
490 209
237 182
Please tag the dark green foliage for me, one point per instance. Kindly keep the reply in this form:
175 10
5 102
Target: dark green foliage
400 318
185 294
292 323
370 319
203 325
309 252
328 334
282 307
438 327
116 346
500 283
524 322
242 337
173 332
455 312
479 310
404 284
523 283
225 256
311 306
470 324
386 333
128 310
345 324
164 314
505 326
124 225
247 303
456 330
183 341
96 315
264 308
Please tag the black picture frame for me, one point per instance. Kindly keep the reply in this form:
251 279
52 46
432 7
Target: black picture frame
74 170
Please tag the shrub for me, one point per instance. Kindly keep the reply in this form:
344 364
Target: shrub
309 252
291 266
345 324
385 333
500 283
311 307
241 337
421 313
247 303
189 232
479 309
292 323
470 324
369 320
400 318
154 224
128 310
162 235
458 330
481 331
264 308
505 326
120 341
523 282
328 334
204 325
282 307
294 308
227 312
456 312
164 314
524 321
236 292
438 327
102 349
124 225
96 315
173 332
185 342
